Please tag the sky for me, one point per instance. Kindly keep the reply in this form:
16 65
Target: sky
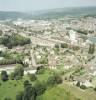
32 5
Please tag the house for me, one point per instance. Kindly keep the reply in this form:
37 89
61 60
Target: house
3 48
52 61
83 81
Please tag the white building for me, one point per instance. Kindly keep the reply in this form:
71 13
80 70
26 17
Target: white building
72 36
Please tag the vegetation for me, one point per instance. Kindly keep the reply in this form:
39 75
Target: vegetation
24 86
82 32
78 84
64 45
14 40
26 83
40 88
4 76
57 46
29 93
11 58
83 87
19 96
32 77
18 72
55 79
91 49
75 48
40 71
10 61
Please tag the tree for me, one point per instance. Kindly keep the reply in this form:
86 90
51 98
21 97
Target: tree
14 40
78 84
55 79
7 98
19 96
76 48
56 46
91 49
95 89
32 77
12 75
40 88
40 70
58 79
4 76
83 87
64 45
29 93
26 83
18 72
1 32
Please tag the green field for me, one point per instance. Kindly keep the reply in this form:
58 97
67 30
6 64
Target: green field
57 93
64 91
11 87
68 92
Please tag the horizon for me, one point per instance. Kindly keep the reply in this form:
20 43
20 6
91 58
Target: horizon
30 5
47 9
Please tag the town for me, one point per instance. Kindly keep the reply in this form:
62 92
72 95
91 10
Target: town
65 45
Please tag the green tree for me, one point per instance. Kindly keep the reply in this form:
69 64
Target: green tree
14 40
32 77
56 46
12 75
26 83
91 49
55 79
4 76
19 96
64 45
29 93
7 98
83 87
18 72
78 84
40 88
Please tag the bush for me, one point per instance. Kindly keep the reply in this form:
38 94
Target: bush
55 79
95 89
75 48
26 83
78 84
29 93
40 71
18 72
56 46
7 98
0 84
4 76
83 87
14 40
64 45
19 96
40 88
12 75
10 61
32 77
91 49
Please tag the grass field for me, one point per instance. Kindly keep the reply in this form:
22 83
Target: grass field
11 87
87 94
64 91
57 93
